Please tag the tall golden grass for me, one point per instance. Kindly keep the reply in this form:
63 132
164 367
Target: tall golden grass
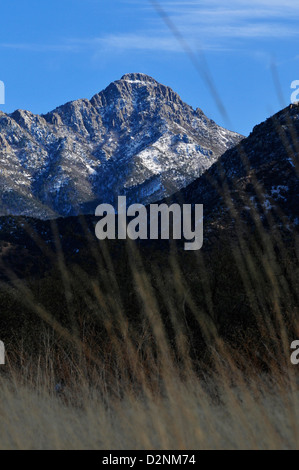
180 410
138 391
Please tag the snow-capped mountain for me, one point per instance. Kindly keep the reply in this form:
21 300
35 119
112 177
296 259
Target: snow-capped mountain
137 138
251 187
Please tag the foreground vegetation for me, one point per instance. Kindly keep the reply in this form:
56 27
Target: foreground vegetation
144 346
146 361
178 410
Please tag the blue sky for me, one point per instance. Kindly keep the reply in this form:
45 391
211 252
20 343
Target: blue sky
57 51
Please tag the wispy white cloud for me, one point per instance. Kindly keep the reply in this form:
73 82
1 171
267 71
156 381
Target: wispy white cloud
143 41
247 8
215 19
212 25
138 41
30 47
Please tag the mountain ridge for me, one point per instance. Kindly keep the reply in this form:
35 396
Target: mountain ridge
136 137
255 181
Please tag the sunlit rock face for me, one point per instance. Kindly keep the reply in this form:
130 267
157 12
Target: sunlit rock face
136 138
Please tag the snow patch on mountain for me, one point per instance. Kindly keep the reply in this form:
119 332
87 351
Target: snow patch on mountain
137 138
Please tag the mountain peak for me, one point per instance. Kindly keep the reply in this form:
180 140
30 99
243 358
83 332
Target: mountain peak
138 77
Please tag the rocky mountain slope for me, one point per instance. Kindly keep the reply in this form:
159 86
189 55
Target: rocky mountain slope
137 138
250 196
255 181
